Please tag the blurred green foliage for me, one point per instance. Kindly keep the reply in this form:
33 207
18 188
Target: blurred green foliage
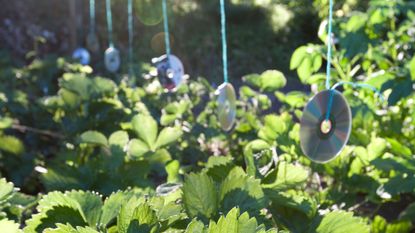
144 160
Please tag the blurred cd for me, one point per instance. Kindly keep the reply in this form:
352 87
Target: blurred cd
322 139
92 42
81 55
112 59
170 72
226 105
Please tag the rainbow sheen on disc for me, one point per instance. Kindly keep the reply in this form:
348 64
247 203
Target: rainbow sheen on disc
226 106
112 59
81 55
92 42
170 72
323 140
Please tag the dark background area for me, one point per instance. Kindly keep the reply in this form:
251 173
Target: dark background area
260 36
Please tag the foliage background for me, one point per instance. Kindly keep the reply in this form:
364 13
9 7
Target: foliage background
66 127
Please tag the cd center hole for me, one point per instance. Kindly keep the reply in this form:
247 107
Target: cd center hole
325 126
170 73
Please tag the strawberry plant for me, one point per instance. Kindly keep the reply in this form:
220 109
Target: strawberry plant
91 153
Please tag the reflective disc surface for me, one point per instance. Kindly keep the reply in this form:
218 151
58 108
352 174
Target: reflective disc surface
322 140
226 105
92 42
81 55
170 72
112 59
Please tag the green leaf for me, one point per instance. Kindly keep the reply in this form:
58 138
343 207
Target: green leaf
218 167
168 135
400 184
398 148
199 196
286 177
241 190
11 145
64 178
144 219
5 122
126 214
195 226
298 57
103 86
6 190
412 68
54 215
234 223
8 226
61 228
293 200
90 204
376 148
57 207
112 206
380 225
77 83
342 222
94 137
119 138
172 169
272 80
137 148
408 213
146 129
251 162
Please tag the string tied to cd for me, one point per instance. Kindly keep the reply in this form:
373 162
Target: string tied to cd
170 70
328 73
329 45
109 23
130 35
224 41
92 15
112 55
225 92
166 28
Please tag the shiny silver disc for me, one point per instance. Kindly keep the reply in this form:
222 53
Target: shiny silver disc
323 139
82 56
226 106
170 72
112 59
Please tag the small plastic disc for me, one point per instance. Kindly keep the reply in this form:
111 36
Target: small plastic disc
321 139
226 106
112 59
81 55
170 72
92 42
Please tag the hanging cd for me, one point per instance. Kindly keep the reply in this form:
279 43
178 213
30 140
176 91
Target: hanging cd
92 42
170 71
112 59
322 139
81 55
226 105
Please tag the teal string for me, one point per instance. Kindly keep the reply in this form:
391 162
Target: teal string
109 23
130 31
329 45
166 28
354 85
224 44
92 15
360 85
